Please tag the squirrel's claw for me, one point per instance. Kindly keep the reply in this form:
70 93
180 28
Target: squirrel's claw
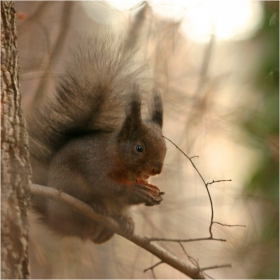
155 201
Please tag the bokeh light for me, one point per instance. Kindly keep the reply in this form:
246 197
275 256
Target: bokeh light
227 20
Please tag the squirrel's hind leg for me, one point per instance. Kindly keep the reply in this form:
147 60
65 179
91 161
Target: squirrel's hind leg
101 234
126 224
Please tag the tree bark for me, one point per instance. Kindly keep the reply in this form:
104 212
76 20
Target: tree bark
15 175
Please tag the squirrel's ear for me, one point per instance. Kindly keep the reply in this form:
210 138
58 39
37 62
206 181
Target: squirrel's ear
133 115
157 111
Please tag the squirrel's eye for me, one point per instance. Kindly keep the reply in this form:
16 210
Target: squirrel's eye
139 148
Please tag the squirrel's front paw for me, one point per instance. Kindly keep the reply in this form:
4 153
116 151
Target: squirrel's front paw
126 224
150 194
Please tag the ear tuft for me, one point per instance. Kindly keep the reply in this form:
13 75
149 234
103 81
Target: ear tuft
157 112
135 104
133 115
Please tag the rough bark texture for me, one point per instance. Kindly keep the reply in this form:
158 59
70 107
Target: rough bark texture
15 175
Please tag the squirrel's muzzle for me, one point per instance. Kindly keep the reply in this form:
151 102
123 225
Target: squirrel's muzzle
156 169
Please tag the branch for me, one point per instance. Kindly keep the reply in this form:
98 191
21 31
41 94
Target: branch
217 181
185 240
196 264
152 268
84 209
215 267
210 199
225 225
191 259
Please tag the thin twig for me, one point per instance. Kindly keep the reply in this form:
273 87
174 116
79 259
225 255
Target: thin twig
196 264
153 266
210 199
191 259
207 275
225 225
215 267
194 157
218 181
185 240
183 248
153 273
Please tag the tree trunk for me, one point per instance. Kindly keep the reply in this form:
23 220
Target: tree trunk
15 175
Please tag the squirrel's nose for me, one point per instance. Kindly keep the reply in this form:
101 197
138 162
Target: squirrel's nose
157 170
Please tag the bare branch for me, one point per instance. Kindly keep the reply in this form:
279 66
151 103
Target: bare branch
191 259
215 267
196 264
207 276
211 204
84 209
189 158
218 181
185 240
154 276
194 157
225 225
152 267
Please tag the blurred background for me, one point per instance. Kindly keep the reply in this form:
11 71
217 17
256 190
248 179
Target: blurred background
217 66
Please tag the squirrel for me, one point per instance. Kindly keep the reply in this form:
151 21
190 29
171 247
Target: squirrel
90 141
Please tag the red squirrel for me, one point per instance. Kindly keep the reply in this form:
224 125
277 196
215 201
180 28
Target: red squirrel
81 145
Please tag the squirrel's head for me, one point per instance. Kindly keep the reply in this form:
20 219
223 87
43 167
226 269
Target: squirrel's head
141 145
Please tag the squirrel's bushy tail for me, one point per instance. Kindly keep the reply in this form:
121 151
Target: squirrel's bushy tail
89 97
